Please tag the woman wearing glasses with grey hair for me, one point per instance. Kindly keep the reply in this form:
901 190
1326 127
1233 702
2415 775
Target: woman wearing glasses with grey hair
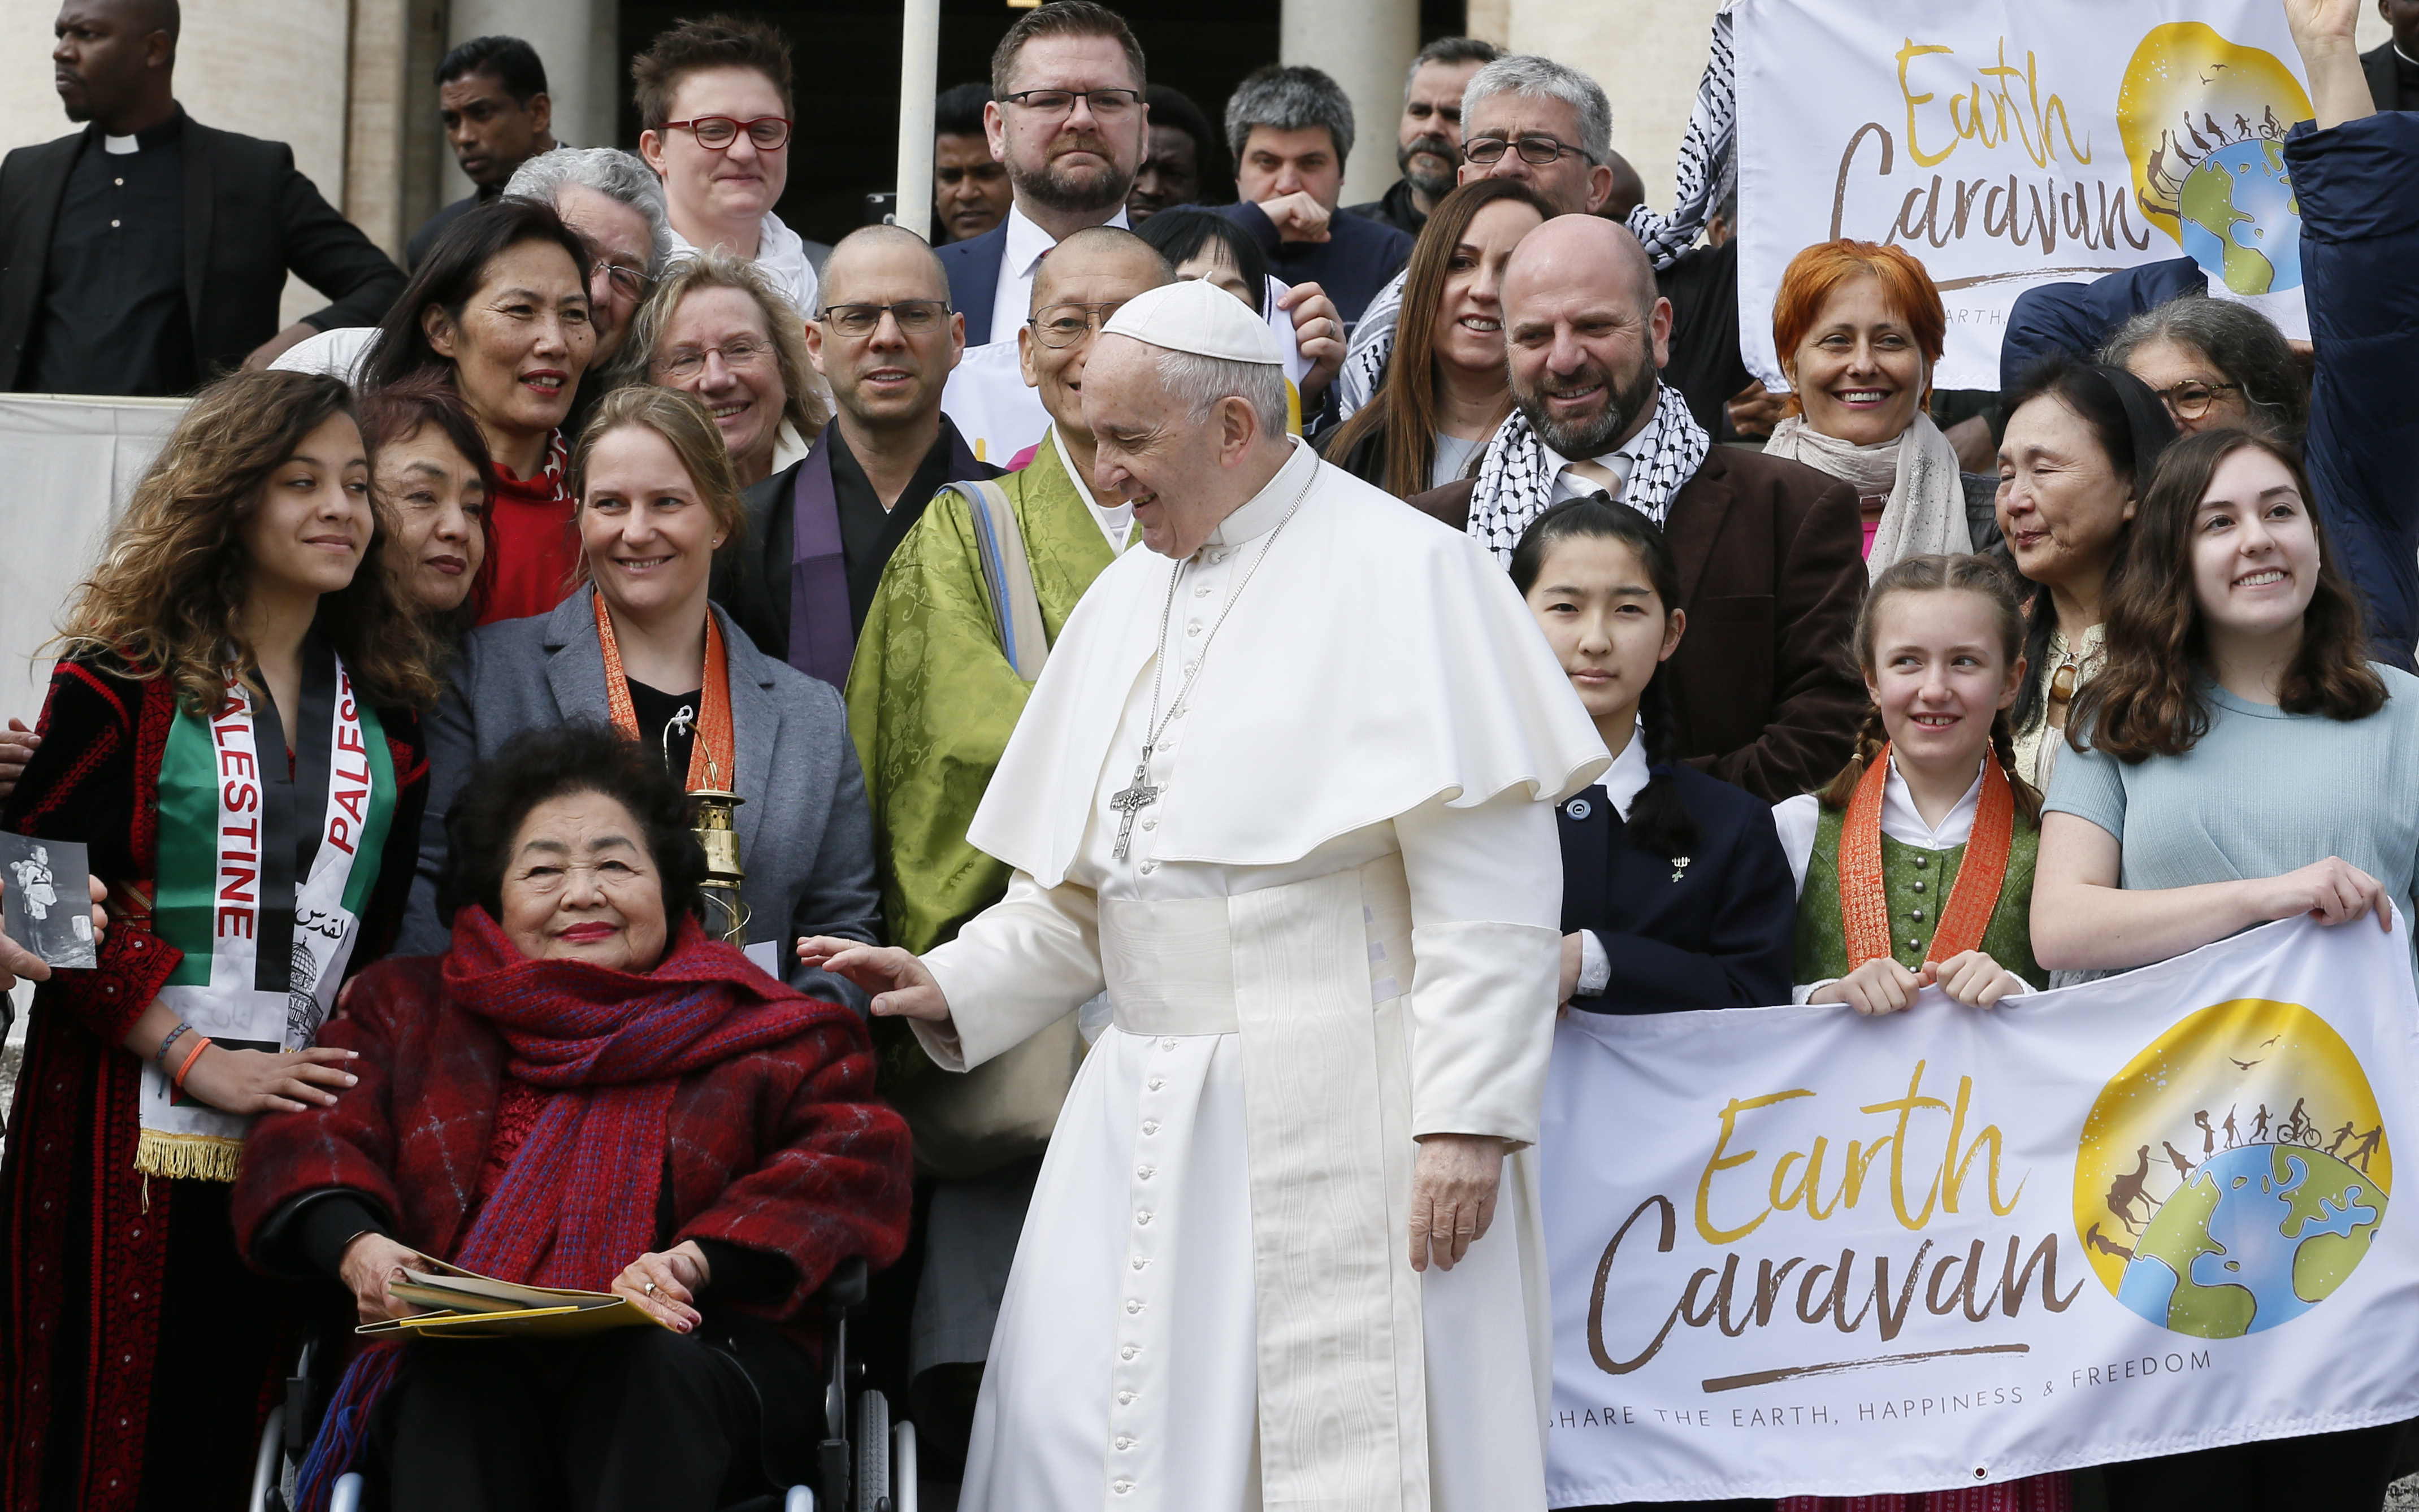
720 330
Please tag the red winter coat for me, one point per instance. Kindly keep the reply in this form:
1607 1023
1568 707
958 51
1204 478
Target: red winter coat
783 1150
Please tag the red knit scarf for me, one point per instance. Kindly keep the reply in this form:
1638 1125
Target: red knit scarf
577 1202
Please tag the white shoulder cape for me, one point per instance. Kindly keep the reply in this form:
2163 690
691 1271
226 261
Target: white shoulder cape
1376 661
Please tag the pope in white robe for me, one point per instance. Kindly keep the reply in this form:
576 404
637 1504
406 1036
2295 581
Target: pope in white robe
1285 1251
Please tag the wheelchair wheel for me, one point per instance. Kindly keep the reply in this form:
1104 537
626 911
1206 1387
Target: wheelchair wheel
872 1480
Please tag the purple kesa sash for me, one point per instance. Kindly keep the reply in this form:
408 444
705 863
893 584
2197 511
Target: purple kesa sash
822 638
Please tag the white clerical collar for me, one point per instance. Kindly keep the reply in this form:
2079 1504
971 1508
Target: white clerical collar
1115 522
1903 822
121 145
1628 775
1027 241
1263 511
2404 56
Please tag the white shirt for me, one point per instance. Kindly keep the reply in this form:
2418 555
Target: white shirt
1623 782
1569 485
1018 258
780 255
1798 819
1115 522
342 352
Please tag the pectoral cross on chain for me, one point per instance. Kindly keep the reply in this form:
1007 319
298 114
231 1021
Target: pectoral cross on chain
1140 795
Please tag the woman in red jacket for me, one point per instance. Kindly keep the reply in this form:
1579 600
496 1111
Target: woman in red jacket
586 1091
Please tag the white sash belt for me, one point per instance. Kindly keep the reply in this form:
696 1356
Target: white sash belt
1309 976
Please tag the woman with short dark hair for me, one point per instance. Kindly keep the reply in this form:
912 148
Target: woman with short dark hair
233 731
429 465
500 311
2081 444
589 1090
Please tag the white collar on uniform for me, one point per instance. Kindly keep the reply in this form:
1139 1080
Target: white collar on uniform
1027 241
1261 512
1903 823
1628 775
121 145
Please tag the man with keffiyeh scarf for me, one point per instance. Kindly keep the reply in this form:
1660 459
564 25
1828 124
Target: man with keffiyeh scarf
1769 550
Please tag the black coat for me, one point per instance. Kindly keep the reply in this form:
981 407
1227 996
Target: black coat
250 218
1718 936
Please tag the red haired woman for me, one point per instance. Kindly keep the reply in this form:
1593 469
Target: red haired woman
1859 328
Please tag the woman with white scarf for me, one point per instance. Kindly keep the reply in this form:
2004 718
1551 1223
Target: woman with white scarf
1859 327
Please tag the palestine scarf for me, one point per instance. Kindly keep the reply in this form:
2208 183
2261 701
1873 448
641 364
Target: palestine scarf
1516 479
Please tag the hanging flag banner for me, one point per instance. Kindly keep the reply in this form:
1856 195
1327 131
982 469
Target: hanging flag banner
1796 1251
2013 142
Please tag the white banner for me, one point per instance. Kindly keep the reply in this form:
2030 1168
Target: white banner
2011 143
1797 1251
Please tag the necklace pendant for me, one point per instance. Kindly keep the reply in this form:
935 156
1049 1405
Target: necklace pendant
1131 801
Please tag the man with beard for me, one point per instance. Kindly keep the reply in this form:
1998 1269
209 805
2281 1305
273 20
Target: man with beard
1769 551
1428 143
820 531
1531 118
1067 115
146 254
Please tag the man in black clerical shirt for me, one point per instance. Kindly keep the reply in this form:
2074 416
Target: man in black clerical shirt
2393 69
491 95
820 532
147 253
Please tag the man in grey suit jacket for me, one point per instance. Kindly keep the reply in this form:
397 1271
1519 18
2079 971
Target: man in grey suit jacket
805 836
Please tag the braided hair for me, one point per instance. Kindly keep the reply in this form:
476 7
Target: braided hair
1659 822
1939 574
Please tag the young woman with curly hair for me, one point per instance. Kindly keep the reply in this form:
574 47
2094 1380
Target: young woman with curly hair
233 731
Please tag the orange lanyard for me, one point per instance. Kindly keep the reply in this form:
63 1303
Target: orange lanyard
1864 896
709 757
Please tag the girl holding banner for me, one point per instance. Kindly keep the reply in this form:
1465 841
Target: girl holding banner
2239 759
233 734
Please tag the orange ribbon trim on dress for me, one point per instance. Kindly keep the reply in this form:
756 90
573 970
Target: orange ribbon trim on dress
710 755
1864 897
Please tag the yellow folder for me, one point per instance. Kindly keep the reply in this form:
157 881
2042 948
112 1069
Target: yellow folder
462 1304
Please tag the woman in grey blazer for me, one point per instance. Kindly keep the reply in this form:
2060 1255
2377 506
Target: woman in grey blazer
640 647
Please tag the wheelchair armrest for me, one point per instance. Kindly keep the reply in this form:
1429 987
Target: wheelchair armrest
843 1290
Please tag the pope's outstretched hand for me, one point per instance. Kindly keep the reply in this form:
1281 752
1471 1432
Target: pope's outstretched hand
901 987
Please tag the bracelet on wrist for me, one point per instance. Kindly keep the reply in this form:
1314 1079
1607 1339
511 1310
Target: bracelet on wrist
200 1044
160 1055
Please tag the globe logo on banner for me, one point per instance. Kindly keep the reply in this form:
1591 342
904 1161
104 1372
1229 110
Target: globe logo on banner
2232 1176
2204 123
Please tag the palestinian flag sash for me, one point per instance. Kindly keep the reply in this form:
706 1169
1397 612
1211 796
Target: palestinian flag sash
262 879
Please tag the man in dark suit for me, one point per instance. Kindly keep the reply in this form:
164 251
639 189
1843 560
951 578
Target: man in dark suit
491 95
1771 570
1290 128
1067 118
2393 69
146 254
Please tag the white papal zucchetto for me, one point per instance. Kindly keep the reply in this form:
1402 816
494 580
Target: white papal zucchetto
1195 315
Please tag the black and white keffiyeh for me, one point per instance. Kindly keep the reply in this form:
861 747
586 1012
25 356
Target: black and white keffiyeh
1516 479
1706 168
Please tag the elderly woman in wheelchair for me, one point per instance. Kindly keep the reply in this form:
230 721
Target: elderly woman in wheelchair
586 1091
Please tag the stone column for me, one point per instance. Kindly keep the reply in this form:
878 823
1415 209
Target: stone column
1365 45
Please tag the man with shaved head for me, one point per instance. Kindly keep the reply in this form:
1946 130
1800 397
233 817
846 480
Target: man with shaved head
969 607
1769 551
820 531
147 252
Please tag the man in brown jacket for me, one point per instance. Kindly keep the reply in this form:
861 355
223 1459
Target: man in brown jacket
1771 569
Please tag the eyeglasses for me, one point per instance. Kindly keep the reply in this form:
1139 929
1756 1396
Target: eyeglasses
1064 325
627 282
714 133
1107 104
1539 150
915 317
2191 399
683 363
